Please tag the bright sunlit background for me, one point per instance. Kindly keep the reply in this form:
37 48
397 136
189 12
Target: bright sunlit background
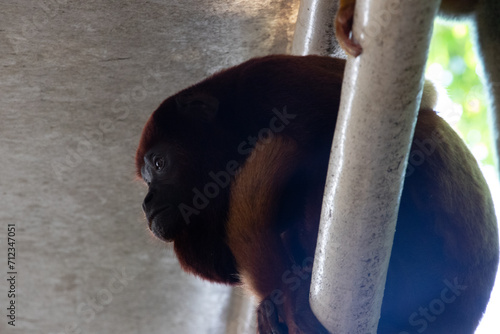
463 103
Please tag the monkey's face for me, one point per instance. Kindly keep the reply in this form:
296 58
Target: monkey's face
161 172
183 160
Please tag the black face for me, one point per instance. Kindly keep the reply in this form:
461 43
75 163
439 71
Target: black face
159 174
189 166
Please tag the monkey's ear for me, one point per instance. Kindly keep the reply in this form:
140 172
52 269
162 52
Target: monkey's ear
200 107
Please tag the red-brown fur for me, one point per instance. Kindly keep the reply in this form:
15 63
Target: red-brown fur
263 225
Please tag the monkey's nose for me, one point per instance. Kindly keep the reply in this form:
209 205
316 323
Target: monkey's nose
146 201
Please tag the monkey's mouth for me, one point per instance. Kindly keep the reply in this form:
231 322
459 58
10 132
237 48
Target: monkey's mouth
158 223
151 216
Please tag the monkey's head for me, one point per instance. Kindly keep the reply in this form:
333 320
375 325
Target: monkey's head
186 158
194 143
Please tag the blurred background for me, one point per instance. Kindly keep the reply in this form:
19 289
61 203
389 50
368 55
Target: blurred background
455 69
78 81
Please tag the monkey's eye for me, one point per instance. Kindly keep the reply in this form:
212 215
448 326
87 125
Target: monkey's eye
159 163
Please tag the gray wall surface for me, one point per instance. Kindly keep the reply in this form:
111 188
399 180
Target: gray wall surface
78 80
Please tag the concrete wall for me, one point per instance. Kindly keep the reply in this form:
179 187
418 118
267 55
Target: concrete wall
78 80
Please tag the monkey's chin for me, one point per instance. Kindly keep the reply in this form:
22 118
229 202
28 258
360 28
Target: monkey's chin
163 230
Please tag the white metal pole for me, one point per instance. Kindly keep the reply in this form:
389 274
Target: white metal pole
380 98
314 30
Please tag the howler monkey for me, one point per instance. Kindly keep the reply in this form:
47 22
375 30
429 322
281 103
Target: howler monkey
236 166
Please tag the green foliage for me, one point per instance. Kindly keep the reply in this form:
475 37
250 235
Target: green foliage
453 63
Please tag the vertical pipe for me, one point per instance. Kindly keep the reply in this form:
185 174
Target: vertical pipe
315 31
378 111
241 317
487 26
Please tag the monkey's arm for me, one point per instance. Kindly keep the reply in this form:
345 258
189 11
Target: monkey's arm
254 238
252 232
